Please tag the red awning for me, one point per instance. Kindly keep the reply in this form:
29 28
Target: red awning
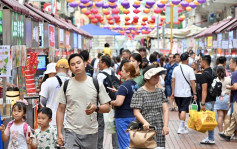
226 26
210 30
47 16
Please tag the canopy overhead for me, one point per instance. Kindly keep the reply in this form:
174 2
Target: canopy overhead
98 31
177 33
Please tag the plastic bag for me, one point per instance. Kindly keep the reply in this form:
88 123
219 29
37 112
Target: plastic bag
192 119
194 106
205 121
227 119
110 122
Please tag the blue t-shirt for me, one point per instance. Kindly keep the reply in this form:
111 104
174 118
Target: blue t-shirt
233 97
169 68
126 89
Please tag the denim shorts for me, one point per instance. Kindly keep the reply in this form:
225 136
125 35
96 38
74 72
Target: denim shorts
168 90
222 104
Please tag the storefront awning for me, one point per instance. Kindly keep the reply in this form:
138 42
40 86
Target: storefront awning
210 30
226 26
17 7
47 17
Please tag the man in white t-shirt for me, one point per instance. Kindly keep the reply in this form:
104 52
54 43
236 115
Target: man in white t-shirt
96 68
183 79
51 87
79 99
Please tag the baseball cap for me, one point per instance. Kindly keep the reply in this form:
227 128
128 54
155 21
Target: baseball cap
50 68
184 56
62 63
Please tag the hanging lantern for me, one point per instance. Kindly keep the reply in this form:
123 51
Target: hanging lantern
160 5
94 21
94 10
84 10
82 6
137 2
105 11
127 18
105 5
144 19
70 1
127 23
125 4
85 1
91 17
162 18
111 22
164 9
163 1
90 4
143 23
150 3
189 8
88 12
98 16
196 2
136 6
109 17
146 10
153 18
157 10
99 4
192 5
73 4
136 18
136 11
184 4
112 1
201 1
126 11
115 11
182 17
180 10
116 17
189 1
176 2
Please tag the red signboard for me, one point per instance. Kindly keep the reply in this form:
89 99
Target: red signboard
51 36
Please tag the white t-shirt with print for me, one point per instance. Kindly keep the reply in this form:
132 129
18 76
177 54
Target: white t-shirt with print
182 88
49 90
78 95
17 137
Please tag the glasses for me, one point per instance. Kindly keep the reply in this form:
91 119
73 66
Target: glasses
170 57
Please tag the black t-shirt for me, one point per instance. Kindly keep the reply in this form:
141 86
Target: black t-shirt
89 70
207 77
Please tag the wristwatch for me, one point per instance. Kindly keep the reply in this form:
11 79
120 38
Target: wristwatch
202 104
97 109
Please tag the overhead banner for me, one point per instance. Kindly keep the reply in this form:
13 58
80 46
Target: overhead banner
51 36
67 39
5 65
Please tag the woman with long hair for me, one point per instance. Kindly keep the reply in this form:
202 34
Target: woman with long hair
150 105
221 104
123 113
136 60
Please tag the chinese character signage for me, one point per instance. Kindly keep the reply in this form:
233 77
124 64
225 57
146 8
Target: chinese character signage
41 35
51 36
5 67
61 38
67 39
17 28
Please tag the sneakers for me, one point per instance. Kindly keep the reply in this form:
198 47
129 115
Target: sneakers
227 138
182 131
207 141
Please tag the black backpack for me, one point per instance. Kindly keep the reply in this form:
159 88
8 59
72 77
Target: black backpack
111 81
216 86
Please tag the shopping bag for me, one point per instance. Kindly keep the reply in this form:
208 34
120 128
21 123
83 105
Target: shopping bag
192 119
194 106
227 119
109 122
205 121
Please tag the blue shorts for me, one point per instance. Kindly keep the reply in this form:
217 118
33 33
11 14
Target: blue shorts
222 104
168 90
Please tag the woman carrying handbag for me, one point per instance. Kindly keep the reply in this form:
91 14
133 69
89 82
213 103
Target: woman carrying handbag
150 106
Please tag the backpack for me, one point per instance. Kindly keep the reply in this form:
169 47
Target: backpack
111 81
25 126
95 82
216 86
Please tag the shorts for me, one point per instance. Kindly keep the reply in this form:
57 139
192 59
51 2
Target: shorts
222 104
168 90
76 141
183 103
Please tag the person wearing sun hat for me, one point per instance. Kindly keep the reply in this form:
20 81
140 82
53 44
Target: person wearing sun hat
150 105
51 86
50 70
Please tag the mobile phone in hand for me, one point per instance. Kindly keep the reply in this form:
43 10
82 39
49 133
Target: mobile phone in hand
89 105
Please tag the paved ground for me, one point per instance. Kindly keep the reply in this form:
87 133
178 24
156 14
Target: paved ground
188 141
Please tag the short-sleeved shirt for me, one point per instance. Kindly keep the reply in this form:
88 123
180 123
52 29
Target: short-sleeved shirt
126 89
139 79
17 136
233 92
182 88
207 77
49 90
45 139
78 96
168 77
151 106
107 51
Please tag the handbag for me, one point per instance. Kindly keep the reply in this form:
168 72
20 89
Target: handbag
194 106
140 138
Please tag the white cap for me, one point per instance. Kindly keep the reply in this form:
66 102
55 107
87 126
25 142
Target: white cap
50 68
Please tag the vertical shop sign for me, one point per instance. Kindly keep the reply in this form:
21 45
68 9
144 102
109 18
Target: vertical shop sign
17 28
61 38
67 39
209 41
231 34
41 35
225 45
35 34
219 39
51 36
79 42
5 65
75 40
